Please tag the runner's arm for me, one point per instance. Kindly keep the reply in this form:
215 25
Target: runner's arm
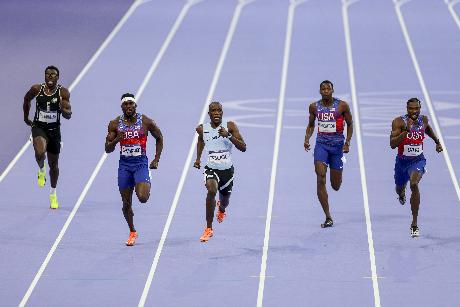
65 106
311 125
236 138
398 132
199 146
31 94
349 120
430 132
156 133
113 137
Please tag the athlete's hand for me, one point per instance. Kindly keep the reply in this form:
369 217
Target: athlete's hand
439 147
197 164
28 122
346 147
306 145
410 123
120 136
223 132
154 164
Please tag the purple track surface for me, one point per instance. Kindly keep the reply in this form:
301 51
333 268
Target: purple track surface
306 265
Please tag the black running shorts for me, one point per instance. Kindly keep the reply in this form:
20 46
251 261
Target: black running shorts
224 178
52 137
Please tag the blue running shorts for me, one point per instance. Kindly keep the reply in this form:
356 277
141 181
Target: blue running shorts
132 171
405 167
331 155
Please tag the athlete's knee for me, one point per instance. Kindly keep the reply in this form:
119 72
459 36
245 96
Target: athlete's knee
143 197
54 165
336 185
212 191
320 179
414 186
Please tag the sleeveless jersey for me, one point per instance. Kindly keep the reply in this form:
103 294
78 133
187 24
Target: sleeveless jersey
412 145
219 148
134 142
47 109
330 124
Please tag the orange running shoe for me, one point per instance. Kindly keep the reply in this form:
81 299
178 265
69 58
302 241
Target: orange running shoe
132 238
220 215
208 232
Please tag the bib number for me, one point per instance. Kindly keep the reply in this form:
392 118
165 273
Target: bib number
219 157
47 116
327 127
131 151
413 150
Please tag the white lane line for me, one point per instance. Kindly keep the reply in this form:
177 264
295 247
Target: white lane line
279 125
82 196
85 69
450 5
429 104
188 161
359 142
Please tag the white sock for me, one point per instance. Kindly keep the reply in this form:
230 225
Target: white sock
52 191
42 169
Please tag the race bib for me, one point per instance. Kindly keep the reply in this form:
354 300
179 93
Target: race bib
327 126
47 116
131 151
219 157
413 150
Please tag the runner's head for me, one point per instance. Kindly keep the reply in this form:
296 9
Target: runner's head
128 104
51 76
215 112
326 88
413 108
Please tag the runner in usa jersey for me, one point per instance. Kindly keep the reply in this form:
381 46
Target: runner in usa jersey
407 135
131 130
51 101
331 114
218 139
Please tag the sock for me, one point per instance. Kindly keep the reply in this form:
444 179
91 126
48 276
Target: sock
42 169
53 191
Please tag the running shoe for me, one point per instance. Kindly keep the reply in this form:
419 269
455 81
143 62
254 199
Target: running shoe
132 238
208 232
53 201
327 223
41 178
414 231
220 215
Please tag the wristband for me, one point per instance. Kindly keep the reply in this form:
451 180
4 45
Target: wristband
229 136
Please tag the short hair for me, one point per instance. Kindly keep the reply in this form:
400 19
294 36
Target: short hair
414 100
52 67
127 95
214 102
327 82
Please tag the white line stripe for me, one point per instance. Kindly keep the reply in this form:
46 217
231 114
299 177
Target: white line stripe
450 5
359 141
85 69
429 104
101 161
279 125
188 161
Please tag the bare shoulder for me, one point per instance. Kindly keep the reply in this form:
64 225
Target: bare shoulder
344 105
146 119
199 129
425 119
113 124
34 89
397 122
312 107
65 92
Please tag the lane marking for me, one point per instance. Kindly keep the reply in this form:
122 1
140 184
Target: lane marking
450 6
82 196
434 119
357 127
77 80
188 161
293 4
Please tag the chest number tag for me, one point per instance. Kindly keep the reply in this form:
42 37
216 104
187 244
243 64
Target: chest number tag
413 150
131 151
47 116
327 126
